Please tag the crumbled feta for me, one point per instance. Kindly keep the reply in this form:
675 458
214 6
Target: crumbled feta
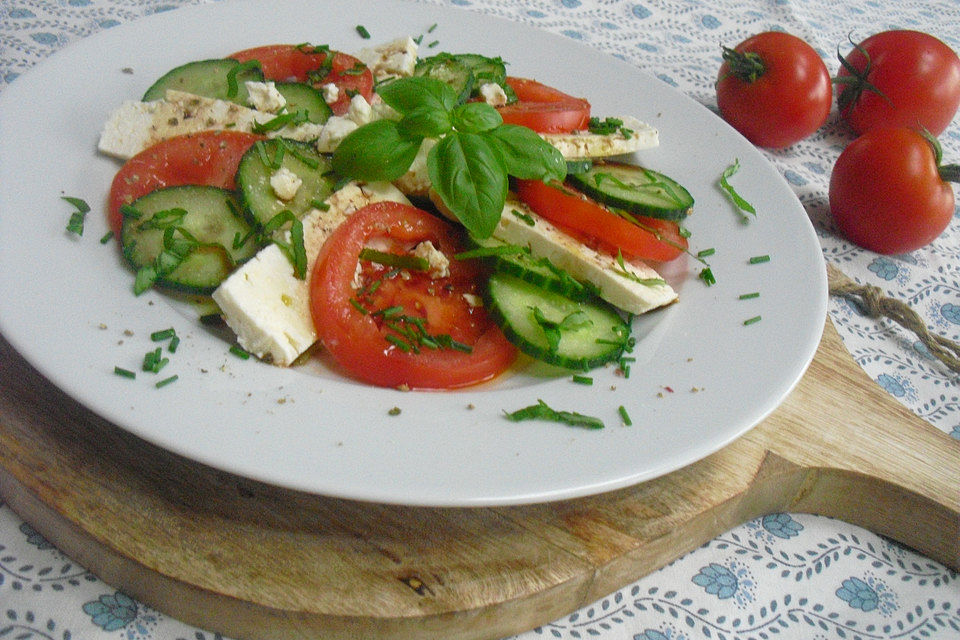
493 94
360 110
285 184
331 92
265 97
439 263
334 131
395 58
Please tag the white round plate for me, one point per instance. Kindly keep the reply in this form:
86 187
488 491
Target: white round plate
701 377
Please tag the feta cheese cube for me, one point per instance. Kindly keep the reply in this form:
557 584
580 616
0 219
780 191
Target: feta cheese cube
285 184
265 97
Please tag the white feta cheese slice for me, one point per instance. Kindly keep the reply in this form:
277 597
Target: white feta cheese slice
396 58
493 94
623 289
134 126
634 135
359 110
265 97
285 184
439 264
263 301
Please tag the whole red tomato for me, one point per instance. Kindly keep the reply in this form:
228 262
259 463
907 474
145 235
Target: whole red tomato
888 192
899 78
774 89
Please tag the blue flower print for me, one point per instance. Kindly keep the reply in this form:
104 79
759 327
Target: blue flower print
717 580
112 612
650 634
892 385
884 268
781 525
858 594
951 312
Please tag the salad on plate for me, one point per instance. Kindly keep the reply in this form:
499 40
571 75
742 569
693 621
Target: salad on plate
423 220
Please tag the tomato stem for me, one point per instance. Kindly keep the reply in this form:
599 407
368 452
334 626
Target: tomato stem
748 66
949 172
852 86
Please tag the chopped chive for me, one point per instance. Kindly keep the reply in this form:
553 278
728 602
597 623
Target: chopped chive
706 252
124 373
320 204
625 416
107 237
706 274
499 250
359 307
587 380
399 342
748 296
395 259
753 320
362 30
240 352
738 200
759 259
174 343
433 44
159 336
388 312
432 27
167 381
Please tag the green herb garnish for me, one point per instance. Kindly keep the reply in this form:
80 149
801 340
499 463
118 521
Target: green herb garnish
77 218
541 411
474 154
738 200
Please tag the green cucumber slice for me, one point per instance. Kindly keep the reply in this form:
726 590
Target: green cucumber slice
187 234
635 189
589 333
263 160
220 79
301 96
447 68
518 262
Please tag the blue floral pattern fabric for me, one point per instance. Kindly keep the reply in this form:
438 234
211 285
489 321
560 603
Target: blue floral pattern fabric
782 575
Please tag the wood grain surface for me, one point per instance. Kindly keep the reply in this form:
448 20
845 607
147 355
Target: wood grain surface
255 561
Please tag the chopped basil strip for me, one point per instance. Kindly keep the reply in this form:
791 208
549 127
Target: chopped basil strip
738 200
541 411
77 218
401 261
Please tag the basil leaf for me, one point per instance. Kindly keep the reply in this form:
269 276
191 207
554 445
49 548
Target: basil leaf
469 175
528 156
476 117
407 94
425 122
375 151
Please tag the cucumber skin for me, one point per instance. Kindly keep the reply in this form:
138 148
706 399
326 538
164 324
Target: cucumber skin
198 77
583 182
501 285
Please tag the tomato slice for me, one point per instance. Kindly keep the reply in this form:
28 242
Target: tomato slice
205 158
544 109
373 345
649 239
287 63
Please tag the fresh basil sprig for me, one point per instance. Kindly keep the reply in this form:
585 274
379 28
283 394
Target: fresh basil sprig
469 166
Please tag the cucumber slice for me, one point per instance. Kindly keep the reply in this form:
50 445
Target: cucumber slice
265 159
198 222
208 78
301 96
447 68
590 333
539 272
634 189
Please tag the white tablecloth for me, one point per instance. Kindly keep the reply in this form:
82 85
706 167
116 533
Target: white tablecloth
784 575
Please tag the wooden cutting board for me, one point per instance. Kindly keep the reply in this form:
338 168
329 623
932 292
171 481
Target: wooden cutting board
255 561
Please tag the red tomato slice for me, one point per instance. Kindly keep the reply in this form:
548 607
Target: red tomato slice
361 342
287 62
574 211
544 109
205 158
